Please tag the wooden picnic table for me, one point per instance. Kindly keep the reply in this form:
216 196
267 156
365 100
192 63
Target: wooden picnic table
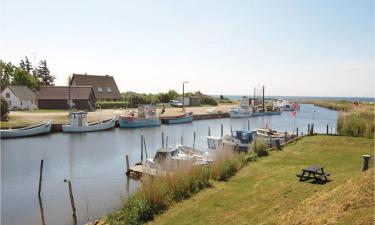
313 172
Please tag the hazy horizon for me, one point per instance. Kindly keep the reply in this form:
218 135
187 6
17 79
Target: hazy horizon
294 48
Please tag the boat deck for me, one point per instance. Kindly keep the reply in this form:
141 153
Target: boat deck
139 170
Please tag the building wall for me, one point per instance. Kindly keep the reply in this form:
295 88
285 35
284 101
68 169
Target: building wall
15 103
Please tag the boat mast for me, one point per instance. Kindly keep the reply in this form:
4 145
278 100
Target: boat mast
263 99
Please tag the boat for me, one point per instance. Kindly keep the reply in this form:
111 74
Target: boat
167 158
267 133
78 123
288 105
240 138
184 118
26 131
272 110
243 110
146 118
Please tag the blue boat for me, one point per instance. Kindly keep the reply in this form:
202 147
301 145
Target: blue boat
242 138
185 118
146 118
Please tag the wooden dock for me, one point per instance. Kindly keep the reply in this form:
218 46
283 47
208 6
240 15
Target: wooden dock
140 170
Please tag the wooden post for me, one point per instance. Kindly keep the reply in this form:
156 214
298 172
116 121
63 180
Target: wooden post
194 140
144 144
40 177
308 129
312 129
221 131
327 129
248 125
365 162
72 201
270 141
182 140
209 131
166 142
127 164
286 137
297 132
141 148
162 139
231 131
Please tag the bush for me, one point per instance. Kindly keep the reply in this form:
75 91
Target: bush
111 105
259 148
4 109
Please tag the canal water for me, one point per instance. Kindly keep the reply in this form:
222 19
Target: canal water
95 163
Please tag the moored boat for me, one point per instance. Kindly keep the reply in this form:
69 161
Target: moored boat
146 118
240 138
26 131
78 123
184 118
243 110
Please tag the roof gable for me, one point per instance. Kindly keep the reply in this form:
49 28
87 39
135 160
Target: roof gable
22 92
62 92
104 87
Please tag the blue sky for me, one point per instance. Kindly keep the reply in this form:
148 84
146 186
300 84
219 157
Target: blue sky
300 47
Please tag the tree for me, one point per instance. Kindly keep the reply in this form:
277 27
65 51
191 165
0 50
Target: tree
22 77
26 65
4 109
6 73
43 74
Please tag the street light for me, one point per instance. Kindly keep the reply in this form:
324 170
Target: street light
183 94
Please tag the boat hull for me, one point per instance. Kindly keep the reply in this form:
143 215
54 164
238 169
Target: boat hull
185 119
270 113
90 128
135 123
27 131
234 114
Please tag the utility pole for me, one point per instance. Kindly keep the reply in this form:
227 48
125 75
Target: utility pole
183 95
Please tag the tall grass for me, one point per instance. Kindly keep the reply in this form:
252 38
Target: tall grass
259 148
334 105
158 193
356 124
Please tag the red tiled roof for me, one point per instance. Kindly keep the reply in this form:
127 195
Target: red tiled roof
62 92
104 87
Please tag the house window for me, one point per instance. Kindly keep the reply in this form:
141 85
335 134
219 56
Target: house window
7 95
100 89
109 90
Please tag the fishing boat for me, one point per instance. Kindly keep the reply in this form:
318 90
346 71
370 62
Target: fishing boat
174 157
288 105
146 118
78 123
243 110
184 118
26 131
272 110
240 138
267 133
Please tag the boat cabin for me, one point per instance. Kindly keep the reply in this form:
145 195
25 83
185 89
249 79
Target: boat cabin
78 119
214 142
245 137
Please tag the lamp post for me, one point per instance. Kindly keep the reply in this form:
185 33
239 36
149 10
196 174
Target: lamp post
183 94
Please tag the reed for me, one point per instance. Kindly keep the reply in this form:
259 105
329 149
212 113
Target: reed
356 124
156 194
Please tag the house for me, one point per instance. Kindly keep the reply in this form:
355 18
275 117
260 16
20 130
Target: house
20 97
191 101
104 87
57 97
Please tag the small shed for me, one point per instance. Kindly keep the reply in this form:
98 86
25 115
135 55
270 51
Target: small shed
62 97
20 97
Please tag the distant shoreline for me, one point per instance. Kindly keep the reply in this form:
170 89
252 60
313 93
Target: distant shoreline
361 99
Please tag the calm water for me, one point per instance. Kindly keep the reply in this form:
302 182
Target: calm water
95 163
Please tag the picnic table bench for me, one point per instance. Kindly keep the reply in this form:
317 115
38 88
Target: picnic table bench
313 172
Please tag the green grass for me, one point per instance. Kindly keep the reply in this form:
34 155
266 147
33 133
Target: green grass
268 191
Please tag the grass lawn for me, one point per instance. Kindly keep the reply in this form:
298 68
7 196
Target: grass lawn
268 191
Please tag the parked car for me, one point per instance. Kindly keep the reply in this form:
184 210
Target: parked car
175 103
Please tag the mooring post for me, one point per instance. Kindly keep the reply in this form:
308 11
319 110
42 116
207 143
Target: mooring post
297 132
72 201
144 144
312 129
286 137
231 131
194 140
270 141
166 142
365 162
221 130
127 164
162 139
209 131
182 140
308 129
248 125
141 148
40 177
327 129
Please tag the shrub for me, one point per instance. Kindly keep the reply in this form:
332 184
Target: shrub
259 148
111 105
4 109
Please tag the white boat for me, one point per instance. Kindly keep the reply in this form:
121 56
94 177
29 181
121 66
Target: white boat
267 133
168 158
78 123
243 111
26 131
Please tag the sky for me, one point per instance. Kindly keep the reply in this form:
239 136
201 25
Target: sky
293 47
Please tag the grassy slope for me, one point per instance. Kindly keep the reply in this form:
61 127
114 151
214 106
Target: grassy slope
268 192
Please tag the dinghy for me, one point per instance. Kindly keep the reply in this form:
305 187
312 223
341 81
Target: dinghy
78 123
184 118
146 118
26 131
